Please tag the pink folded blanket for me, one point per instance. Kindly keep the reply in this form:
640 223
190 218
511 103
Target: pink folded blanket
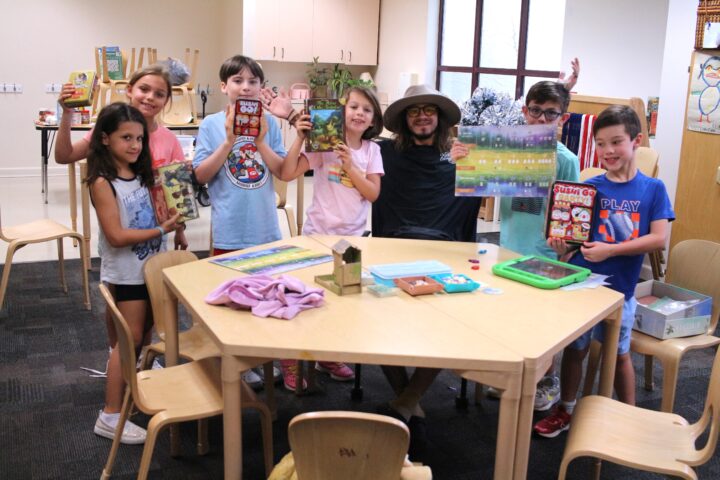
265 296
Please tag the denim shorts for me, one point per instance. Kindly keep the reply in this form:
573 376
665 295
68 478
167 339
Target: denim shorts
598 331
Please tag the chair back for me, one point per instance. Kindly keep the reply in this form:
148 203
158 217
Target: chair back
347 445
154 280
710 416
590 172
124 342
181 111
695 265
646 160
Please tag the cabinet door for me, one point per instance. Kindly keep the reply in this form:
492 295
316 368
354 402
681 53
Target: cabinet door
329 27
294 30
362 32
260 29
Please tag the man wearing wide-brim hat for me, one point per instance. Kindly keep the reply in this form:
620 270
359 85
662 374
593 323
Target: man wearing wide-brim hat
417 200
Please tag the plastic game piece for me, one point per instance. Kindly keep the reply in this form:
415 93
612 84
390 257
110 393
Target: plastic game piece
474 260
482 251
491 291
475 267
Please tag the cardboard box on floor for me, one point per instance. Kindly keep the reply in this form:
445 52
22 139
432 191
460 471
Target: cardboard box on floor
692 320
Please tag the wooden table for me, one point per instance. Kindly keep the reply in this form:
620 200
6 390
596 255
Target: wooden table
360 328
536 324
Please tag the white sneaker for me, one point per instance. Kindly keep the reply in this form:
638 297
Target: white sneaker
493 392
156 365
548 393
253 380
132 434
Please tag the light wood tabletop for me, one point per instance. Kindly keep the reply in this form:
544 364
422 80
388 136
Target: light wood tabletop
358 328
534 323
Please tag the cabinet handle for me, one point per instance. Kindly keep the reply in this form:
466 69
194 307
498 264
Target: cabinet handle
349 56
341 53
283 53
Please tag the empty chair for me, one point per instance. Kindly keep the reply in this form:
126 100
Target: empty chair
348 445
41 231
644 439
176 394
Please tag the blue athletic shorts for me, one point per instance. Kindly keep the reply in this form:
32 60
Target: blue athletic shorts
598 331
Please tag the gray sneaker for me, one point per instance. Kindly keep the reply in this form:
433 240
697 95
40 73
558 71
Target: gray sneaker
277 373
548 393
132 434
253 380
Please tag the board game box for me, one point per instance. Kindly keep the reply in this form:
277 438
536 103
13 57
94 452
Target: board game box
327 132
247 117
173 192
84 82
570 211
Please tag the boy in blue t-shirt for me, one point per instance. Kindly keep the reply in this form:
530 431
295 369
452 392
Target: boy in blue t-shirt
632 212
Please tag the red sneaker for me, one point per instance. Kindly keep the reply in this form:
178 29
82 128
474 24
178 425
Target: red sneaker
551 426
337 371
289 372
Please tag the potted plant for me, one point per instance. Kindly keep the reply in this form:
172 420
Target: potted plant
340 79
318 78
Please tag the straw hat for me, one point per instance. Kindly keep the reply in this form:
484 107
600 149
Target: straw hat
419 94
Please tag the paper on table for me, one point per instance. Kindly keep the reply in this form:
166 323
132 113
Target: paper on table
593 281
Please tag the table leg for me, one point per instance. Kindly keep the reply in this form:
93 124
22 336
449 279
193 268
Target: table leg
170 320
85 211
232 417
44 134
609 356
532 373
73 199
507 441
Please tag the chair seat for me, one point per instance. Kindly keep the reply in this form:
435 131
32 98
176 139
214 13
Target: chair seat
631 436
39 230
648 345
194 344
193 388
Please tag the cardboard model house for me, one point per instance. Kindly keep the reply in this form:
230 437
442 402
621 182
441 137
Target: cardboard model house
347 266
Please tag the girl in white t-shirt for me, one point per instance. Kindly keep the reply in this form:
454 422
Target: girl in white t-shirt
345 181
119 174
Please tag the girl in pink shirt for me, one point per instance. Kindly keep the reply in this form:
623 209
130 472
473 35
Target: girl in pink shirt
345 182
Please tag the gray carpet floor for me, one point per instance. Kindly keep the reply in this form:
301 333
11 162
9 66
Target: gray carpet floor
48 405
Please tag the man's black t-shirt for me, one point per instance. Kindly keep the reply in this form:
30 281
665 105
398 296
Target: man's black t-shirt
417 197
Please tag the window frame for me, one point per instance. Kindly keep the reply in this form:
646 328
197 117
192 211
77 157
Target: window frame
520 72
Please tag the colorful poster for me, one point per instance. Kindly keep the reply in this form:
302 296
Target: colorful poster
509 161
273 260
703 107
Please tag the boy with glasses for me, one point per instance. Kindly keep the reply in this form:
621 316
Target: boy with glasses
522 226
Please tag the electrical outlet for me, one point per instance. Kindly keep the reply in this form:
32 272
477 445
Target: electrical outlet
2 88
58 87
18 87
49 88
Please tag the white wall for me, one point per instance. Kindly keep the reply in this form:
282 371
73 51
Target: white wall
408 43
677 51
619 44
44 40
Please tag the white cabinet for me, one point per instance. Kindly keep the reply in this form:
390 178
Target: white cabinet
335 31
346 31
279 30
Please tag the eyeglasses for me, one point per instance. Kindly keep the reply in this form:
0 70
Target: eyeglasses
428 110
550 114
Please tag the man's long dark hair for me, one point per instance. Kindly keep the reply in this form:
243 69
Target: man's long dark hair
442 139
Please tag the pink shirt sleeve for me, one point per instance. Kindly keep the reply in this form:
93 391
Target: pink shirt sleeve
375 164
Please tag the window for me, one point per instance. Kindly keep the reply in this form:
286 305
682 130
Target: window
507 45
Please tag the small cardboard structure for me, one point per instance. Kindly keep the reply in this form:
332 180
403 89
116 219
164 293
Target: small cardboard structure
347 268
692 320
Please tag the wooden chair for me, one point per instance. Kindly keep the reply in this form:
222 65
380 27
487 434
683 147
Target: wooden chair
347 445
694 265
644 439
182 107
590 172
170 395
194 343
40 231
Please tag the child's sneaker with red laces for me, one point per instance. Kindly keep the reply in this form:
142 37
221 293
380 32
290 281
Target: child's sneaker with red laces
551 426
289 372
337 370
